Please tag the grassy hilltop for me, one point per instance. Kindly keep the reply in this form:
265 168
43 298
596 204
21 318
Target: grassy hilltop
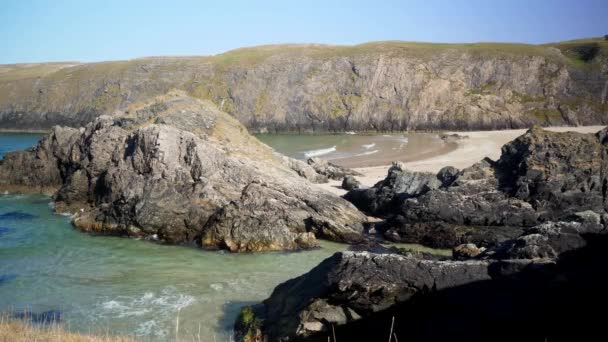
388 85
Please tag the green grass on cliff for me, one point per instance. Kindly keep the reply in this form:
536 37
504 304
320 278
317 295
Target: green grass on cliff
576 51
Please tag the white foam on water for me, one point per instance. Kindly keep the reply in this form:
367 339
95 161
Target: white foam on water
159 307
320 152
367 153
368 146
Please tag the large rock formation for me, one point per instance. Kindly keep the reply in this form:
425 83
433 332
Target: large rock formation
541 176
526 294
374 86
179 170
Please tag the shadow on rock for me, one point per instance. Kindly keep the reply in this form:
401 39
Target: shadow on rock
546 302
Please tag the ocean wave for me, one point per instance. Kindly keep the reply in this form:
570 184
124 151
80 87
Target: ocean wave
320 152
153 309
367 153
368 146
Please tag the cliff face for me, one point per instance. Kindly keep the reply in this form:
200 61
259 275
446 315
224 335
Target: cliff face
374 86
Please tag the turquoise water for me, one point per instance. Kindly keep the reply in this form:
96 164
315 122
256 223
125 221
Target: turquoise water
112 285
17 141
125 286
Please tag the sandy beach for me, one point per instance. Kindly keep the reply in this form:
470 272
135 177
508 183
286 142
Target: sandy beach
478 145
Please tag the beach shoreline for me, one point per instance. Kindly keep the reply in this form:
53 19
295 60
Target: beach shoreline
474 147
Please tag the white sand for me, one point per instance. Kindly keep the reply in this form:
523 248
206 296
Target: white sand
479 145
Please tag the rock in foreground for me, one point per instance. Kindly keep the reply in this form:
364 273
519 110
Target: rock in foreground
526 295
178 170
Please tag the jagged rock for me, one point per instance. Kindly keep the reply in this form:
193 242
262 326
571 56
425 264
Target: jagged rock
350 183
330 170
441 300
447 175
547 240
541 176
178 170
588 216
353 286
466 251
388 194
304 170
439 234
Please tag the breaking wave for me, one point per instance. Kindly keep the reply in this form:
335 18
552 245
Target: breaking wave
320 152
153 310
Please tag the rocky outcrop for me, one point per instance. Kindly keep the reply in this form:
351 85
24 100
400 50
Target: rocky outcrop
356 295
373 86
387 195
540 176
178 170
330 170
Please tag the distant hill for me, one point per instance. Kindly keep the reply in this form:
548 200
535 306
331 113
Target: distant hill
374 86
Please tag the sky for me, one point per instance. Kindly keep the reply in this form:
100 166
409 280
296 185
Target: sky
87 30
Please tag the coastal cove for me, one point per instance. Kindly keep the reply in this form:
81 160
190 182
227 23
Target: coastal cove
100 284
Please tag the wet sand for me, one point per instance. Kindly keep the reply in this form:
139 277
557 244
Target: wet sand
478 145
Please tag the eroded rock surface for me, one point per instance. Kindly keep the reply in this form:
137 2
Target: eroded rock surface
356 294
541 176
179 170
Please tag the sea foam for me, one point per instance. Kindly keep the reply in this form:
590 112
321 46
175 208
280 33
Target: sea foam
320 152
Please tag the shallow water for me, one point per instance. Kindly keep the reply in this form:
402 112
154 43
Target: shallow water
124 286
17 141
112 285
358 150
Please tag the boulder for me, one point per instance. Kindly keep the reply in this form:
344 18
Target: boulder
466 251
330 170
350 183
178 170
387 195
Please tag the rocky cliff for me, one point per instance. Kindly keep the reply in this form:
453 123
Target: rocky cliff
374 86
178 170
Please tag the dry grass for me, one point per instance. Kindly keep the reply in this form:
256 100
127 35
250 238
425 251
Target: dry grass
23 331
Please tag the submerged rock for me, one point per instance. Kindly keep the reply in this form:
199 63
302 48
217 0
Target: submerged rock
181 171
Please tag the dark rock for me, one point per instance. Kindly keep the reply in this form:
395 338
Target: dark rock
351 286
350 183
447 175
541 176
547 240
387 195
438 234
358 295
178 170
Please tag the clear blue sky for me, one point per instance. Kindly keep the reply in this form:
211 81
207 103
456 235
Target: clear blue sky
87 30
